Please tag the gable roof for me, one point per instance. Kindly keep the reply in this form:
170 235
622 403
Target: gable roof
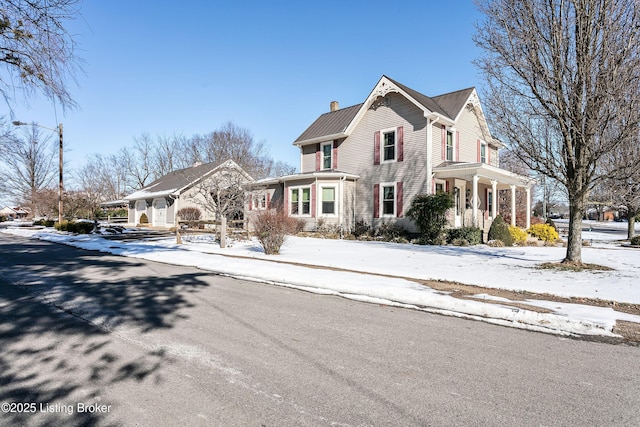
177 181
453 103
338 124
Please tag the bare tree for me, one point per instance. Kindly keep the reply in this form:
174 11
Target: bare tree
168 155
236 143
101 179
28 166
623 182
562 82
140 162
37 52
222 194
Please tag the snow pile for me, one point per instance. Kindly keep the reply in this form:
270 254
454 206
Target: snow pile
361 270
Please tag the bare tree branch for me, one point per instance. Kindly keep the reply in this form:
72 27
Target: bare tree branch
36 51
563 78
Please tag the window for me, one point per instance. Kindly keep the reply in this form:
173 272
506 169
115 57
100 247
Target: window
300 201
259 201
328 200
388 200
389 146
439 188
483 153
490 201
449 146
327 149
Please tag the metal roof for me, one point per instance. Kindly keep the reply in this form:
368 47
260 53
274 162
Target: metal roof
331 123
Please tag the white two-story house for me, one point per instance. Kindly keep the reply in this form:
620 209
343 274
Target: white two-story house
366 162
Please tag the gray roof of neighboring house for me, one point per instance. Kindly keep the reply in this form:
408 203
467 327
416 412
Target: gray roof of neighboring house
336 122
176 181
330 123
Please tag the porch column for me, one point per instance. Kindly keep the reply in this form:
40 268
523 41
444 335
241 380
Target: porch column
513 205
494 199
475 200
528 216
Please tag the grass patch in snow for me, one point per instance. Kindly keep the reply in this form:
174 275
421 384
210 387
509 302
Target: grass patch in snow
565 266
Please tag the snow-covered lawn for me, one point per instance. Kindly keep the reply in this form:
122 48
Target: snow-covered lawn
367 265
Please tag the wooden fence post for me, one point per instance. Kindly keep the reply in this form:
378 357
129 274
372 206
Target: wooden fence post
178 237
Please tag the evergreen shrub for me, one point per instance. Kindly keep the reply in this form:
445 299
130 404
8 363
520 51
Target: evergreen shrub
429 213
78 227
499 230
472 235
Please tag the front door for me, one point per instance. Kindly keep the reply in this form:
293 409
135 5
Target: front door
159 212
457 207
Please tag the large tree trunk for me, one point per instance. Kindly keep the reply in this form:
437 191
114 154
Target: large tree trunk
574 243
631 224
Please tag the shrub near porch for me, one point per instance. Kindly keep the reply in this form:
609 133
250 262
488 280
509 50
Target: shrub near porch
544 232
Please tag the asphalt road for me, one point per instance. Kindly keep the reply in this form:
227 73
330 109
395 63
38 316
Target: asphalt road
151 344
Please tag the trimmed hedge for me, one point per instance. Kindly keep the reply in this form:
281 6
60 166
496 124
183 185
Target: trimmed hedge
80 227
45 222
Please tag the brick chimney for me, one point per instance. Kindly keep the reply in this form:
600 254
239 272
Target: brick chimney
334 106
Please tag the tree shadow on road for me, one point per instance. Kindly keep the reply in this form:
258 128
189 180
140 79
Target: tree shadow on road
55 347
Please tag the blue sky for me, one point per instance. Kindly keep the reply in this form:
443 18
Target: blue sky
167 67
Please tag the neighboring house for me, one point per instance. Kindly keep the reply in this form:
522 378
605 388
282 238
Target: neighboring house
214 189
368 161
14 213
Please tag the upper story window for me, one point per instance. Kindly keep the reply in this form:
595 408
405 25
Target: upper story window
300 201
327 151
449 148
483 153
389 145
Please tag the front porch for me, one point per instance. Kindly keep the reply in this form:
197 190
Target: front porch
475 188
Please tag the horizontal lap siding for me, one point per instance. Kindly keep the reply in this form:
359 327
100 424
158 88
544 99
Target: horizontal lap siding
436 132
470 132
357 155
308 158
